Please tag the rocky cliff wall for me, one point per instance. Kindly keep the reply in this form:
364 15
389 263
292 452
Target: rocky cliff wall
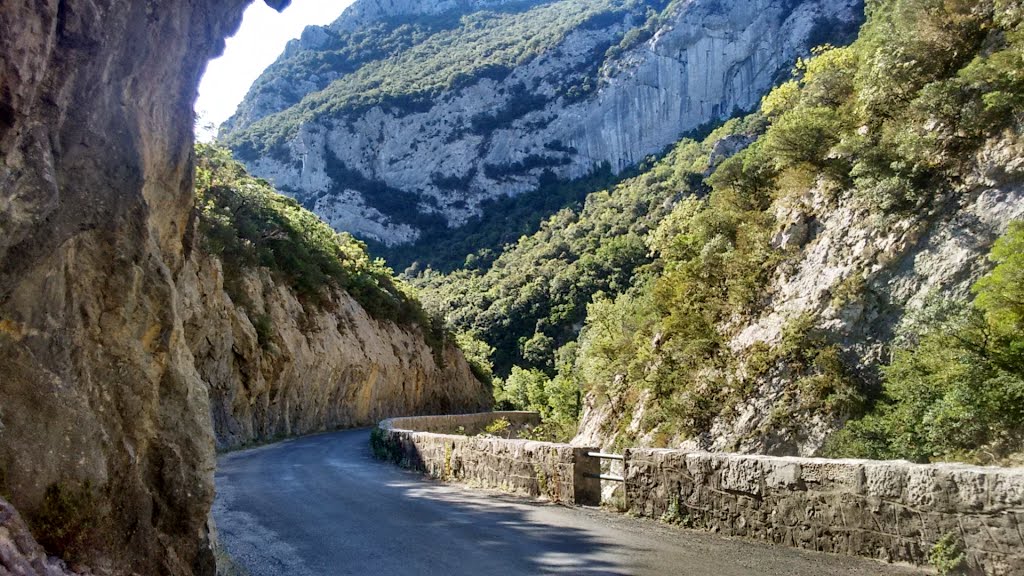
106 436
707 60
312 368
98 389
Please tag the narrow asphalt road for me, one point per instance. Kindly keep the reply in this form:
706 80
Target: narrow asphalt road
322 505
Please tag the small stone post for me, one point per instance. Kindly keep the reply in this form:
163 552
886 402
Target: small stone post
586 484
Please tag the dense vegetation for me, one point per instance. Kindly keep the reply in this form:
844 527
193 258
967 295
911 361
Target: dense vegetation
533 297
502 222
671 263
247 224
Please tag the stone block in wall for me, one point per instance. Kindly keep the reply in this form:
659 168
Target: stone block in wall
741 475
884 479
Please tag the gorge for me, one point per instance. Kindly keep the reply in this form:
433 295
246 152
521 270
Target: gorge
767 227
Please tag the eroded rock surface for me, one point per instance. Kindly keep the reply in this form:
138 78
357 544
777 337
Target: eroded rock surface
95 196
317 368
20 554
99 390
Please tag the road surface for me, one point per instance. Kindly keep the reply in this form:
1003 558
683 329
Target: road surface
323 506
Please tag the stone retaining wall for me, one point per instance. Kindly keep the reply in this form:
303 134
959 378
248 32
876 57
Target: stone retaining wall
893 511
524 467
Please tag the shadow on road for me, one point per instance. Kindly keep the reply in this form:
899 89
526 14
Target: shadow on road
323 505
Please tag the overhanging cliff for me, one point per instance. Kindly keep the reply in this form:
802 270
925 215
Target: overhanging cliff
106 438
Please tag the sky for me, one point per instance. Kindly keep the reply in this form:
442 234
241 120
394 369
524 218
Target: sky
259 41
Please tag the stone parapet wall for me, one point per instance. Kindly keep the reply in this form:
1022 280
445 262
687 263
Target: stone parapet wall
894 511
461 423
523 467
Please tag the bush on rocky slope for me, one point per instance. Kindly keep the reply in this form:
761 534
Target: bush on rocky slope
955 388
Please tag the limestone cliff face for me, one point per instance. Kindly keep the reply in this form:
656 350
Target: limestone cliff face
855 277
313 369
705 60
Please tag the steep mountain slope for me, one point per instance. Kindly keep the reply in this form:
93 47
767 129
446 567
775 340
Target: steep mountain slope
295 329
748 289
118 337
533 298
399 131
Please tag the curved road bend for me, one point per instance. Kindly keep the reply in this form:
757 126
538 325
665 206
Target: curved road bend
323 506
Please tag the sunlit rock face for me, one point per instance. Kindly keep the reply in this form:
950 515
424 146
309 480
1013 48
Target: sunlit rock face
96 383
706 60
313 369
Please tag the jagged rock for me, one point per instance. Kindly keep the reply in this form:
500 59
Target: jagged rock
98 384
726 148
20 554
318 369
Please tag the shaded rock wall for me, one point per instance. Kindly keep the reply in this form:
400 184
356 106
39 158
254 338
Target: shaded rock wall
893 511
100 391
97 382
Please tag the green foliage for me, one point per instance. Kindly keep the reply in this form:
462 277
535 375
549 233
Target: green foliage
522 390
264 326
561 431
385 447
66 522
1000 297
247 224
955 387
503 221
948 555
673 514
500 427
539 288
478 353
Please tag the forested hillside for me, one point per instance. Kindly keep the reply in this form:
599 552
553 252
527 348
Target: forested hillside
435 130
745 301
